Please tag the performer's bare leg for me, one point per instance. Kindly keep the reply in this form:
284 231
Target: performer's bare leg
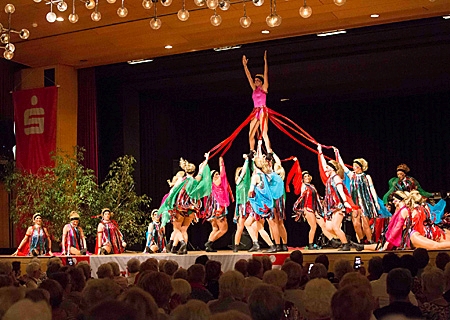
239 230
356 219
311 218
274 231
366 227
252 132
264 125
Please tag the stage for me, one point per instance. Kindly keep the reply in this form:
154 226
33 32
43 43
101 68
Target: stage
226 257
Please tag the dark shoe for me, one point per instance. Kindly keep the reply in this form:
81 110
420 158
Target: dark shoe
255 247
83 252
345 247
148 250
279 248
358 246
169 246
235 248
103 252
335 243
183 248
208 247
312 246
272 249
174 249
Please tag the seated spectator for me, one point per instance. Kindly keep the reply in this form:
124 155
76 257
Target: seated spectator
447 282
323 259
133 266
293 293
196 278
159 285
97 290
150 264
54 264
231 294
436 306
278 278
318 271
266 303
5 281
6 273
201 259
67 305
105 271
375 268
181 291
422 258
140 301
26 309
398 286
78 282
56 298
355 279
170 267
230 314
117 276
192 310
9 296
390 261
213 271
318 294
241 266
442 258
297 256
407 261
341 267
85 268
181 274
37 295
266 263
351 303
34 272
255 274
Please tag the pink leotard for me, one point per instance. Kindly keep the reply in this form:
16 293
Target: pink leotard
259 97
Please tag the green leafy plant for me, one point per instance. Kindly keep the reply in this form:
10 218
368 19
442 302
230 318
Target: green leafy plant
69 186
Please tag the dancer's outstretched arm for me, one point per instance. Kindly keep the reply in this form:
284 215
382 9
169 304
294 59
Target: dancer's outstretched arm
247 72
341 162
265 85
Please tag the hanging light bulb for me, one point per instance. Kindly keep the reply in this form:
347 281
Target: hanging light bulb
166 3
4 38
212 4
24 34
51 17
305 11
147 4
216 19
339 2
155 23
37 1
122 12
111 1
96 16
272 20
245 21
61 6
73 18
183 14
9 8
8 55
200 3
10 47
90 4
224 5
258 3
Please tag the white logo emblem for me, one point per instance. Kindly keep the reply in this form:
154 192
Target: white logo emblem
34 119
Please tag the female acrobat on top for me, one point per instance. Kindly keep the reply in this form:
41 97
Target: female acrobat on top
259 85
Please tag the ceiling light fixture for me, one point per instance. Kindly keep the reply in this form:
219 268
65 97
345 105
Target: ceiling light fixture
245 21
5 34
375 15
273 19
305 11
228 48
446 17
183 14
331 33
339 2
216 19
138 61
265 31
155 22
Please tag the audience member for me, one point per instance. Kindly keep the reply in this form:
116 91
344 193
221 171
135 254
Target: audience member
447 282
133 266
241 266
255 273
422 258
318 294
85 268
170 267
230 314
442 258
181 274
192 310
293 293
297 256
97 290
37 295
407 261
201 259
213 271
105 271
56 298
398 287
196 278
8 297
351 303
118 310
26 309
375 268
117 276
266 303
140 301
231 294
318 271
435 307
159 285
33 271
341 267
181 291
266 263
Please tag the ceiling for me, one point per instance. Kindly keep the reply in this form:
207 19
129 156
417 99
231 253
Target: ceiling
113 39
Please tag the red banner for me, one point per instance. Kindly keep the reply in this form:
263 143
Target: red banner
35 121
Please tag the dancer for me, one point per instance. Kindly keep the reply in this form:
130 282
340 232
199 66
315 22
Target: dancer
403 182
183 203
337 200
36 241
156 241
215 209
109 238
259 85
73 239
276 221
409 225
242 178
266 186
363 195
308 206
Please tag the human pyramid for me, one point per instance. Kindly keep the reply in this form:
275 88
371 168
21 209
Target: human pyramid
260 196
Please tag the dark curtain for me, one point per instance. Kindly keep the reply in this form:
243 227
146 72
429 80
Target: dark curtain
87 118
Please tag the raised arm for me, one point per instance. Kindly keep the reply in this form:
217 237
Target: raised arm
83 238
265 85
247 72
201 166
372 191
63 241
341 162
